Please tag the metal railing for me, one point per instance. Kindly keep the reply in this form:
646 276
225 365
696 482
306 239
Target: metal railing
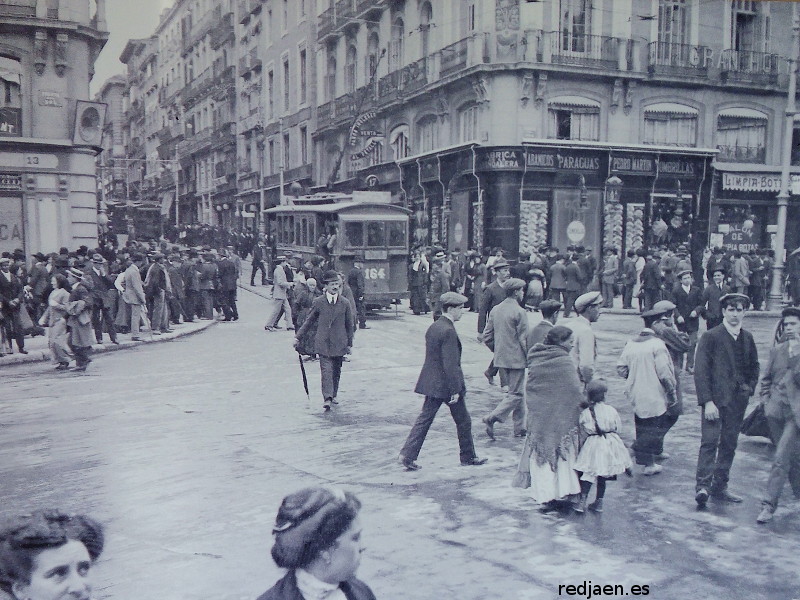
752 154
18 9
584 49
745 65
666 58
453 57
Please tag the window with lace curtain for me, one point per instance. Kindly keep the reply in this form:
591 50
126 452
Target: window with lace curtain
741 135
574 118
668 124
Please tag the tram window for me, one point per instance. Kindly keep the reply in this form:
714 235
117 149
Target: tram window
354 234
396 232
298 232
375 234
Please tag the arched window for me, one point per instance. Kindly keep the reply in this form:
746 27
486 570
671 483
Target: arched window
375 156
741 135
427 134
425 20
373 53
330 79
670 124
10 100
396 45
398 140
574 118
350 70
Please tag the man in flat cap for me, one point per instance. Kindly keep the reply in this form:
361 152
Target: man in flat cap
549 310
725 376
779 395
441 381
332 316
492 295
281 286
688 305
584 352
709 300
506 334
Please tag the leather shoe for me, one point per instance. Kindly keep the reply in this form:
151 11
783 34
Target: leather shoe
489 422
597 506
409 464
474 462
701 497
652 470
726 496
136 339
765 515
521 433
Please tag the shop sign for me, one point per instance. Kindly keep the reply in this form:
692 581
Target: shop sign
560 160
501 159
28 160
10 122
634 164
741 236
676 167
752 182
11 236
10 183
47 98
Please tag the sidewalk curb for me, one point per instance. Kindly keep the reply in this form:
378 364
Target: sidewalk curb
758 314
44 355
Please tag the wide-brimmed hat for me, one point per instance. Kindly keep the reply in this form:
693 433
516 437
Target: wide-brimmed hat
77 273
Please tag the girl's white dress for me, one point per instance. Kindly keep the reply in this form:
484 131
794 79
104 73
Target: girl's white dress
603 454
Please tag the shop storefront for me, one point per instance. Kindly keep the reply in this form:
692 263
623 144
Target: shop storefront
744 208
559 194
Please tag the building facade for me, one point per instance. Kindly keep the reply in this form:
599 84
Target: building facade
49 132
502 123
111 168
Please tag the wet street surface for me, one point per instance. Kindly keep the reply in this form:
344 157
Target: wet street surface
185 449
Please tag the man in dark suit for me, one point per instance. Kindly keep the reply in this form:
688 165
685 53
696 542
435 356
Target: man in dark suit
332 315
573 276
492 295
260 252
688 304
441 381
628 278
726 374
11 299
651 281
101 303
228 278
549 310
709 300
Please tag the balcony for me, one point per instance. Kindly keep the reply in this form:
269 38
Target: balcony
244 11
196 143
223 31
742 154
244 66
365 7
199 86
166 93
597 51
297 173
18 9
678 60
344 11
325 114
325 25
757 68
255 60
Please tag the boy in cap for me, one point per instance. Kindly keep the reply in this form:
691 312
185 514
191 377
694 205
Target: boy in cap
441 381
709 300
726 374
332 316
506 334
585 350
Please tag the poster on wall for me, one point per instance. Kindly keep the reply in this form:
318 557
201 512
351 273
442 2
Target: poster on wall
576 223
742 236
11 224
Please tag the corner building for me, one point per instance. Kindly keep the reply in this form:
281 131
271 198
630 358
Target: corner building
48 137
516 124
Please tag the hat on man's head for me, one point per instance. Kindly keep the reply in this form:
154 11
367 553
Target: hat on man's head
734 298
156 255
40 257
500 263
452 299
584 301
514 284
97 259
661 307
718 269
330 276
550 306
684 272
77 273
439 255
4 260
791 311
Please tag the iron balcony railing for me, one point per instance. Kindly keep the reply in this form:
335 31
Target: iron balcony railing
755 67
750 154
584 49
666 58
23 8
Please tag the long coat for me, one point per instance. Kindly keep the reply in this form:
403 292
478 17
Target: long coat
709 301
506 333
441 375
685 304
132 283
334 323
281 285
286 589
81 333
227 275
493 294
715 366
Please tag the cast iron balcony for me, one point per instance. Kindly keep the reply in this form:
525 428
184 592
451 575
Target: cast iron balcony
742 154
745 66
678 60
584 50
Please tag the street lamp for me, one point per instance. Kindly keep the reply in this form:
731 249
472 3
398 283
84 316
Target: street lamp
584 193
613 189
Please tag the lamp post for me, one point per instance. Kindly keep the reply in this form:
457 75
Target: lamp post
775 298
613 189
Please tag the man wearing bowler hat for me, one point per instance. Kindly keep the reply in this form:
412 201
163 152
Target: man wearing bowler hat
332 315
688 305
102 301
441 381
709 300
506 334
725 376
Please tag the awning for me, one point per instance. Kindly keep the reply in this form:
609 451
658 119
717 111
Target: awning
166 203
670 108
10 70
743 113
573 102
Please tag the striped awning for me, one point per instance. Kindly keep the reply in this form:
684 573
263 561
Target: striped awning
743 113
10 70
573 102
670 108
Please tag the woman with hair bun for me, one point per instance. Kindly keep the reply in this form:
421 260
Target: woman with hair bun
48 555
318 539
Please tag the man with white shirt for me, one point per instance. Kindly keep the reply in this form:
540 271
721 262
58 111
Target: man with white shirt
725 376
584 352
332 316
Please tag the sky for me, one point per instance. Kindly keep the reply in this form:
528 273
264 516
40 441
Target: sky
127 19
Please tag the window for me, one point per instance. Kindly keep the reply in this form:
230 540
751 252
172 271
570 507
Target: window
427 134
670 125
302 6
375 156
471 16
398 140
673 33
574 118
10 100
271 157
303 81
354 234
286 152
286 84
303 145
396 232
575 25
396 45
425 22
468 123
330 79
373 52
285 20
749 27
376 235
741 135
350 70
271 93
268 27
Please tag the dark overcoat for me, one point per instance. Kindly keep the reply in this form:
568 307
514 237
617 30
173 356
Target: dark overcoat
715 366
334 323
441 375
286 589
685 304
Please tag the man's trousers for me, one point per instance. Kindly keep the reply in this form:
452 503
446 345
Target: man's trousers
330 370
514 401
786 463
424 421
100 316
718 441
650 433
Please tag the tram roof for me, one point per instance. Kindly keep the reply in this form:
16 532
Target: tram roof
336 207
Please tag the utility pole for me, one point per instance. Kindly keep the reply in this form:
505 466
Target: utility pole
283 161
775 298
176 168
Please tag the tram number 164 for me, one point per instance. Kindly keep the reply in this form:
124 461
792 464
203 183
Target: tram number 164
379 273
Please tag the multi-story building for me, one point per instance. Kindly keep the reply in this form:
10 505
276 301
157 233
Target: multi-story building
592 122
111 167
49 132
276 118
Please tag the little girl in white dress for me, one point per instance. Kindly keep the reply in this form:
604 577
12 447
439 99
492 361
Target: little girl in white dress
603 455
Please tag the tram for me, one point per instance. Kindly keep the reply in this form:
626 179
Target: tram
359 225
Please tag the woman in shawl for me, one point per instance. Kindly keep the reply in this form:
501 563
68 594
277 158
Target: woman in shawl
55 318
418 277
554 394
